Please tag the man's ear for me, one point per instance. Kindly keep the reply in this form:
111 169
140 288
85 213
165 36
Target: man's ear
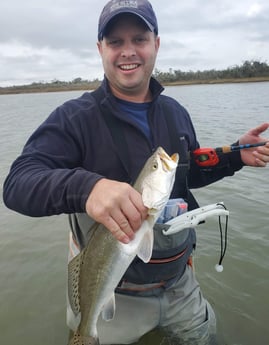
99 46
158 42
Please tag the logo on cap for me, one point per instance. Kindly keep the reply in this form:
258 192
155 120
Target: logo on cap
122 4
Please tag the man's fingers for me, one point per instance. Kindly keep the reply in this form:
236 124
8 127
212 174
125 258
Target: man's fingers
123 222
133 215
262 155
260 129
138 202
116 231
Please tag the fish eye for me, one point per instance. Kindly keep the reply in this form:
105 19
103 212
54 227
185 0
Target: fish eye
155 166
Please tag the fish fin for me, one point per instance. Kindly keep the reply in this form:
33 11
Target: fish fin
146 246
109 308
73 282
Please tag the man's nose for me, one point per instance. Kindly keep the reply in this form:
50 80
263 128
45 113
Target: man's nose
128 50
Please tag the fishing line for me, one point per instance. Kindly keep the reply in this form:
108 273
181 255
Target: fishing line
223 241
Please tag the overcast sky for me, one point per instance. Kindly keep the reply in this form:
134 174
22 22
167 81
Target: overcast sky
44 40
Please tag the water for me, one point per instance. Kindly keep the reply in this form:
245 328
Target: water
33 251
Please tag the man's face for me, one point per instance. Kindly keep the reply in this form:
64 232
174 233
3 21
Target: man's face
128 54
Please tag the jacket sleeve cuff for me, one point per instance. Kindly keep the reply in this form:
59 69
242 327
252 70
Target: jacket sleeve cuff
87 190
232 159
235 159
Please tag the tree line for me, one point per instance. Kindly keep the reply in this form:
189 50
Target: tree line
249 69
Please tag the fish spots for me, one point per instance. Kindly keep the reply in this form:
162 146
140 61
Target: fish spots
81 340
73 283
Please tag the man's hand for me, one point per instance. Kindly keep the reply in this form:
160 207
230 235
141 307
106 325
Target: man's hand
118 206
258 156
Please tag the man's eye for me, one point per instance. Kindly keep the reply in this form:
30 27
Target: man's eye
114 42
140 39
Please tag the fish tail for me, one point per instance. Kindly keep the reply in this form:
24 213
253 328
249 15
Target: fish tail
82 340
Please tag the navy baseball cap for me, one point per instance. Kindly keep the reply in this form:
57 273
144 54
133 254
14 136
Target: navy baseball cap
141 8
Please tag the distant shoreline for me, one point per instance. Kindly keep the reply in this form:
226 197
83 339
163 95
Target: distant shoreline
87 87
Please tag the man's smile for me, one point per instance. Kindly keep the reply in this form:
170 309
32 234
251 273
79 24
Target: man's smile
129 67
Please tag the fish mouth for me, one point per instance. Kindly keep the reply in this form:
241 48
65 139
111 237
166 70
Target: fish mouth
168 163
152 211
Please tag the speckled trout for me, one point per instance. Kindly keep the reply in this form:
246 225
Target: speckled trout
94 274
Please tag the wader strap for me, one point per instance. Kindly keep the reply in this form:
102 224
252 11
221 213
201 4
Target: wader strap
115 127
184 161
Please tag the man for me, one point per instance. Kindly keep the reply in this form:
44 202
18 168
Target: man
72 164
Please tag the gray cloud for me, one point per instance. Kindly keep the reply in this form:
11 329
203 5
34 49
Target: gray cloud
46 40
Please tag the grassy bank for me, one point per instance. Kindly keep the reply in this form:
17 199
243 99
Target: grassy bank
45 88
88 86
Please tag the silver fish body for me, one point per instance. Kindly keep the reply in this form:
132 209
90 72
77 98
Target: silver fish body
94 274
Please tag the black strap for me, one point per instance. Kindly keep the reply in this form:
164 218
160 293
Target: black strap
181 181
115 127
